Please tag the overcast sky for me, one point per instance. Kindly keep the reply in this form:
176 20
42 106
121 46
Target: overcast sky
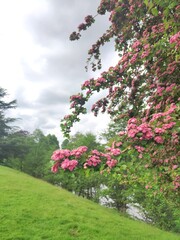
41 68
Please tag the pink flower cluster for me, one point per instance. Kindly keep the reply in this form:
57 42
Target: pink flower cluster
114 151
175 39
176 183
158 125
163 114
74 97
158 139
60 154
79 151
175 138
69 164
92 161
121 133
170 87
134 58
139 149
158 28
136 44
159 130
111 163
143 129
98 157
62 158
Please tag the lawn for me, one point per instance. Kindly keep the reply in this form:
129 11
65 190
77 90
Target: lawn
31 209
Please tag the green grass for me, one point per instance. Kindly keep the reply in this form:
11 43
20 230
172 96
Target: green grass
31 209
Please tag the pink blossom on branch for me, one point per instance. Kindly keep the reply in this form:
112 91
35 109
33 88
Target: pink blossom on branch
55 167
69 164
79 151
114 151
111 163
159 130
159 139
139 149
60 154
93 161
175 39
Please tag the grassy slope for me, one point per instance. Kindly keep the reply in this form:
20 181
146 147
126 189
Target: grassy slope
31 209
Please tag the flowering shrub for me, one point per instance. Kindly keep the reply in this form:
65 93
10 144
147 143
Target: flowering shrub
142 89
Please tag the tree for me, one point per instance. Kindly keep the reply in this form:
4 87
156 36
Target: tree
87 139
36 162
114 127
5 128
18 146
30 153
143 91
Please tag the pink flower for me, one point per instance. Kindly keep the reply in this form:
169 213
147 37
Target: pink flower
101 80
132 120
145 54
132 133
97 84
86 84
174 167
60 154
55 167
159 130
111 163
131 8
96 152
175 39
158 106
136 44
168 125
106 155
118 144
93 161
79 151
148 135
146 46
114 151
159 139
171 109
131 126
156 116
139 149
169 88
121 133
72 164
88 92
176 182
134 58
65 164
160 90
69 164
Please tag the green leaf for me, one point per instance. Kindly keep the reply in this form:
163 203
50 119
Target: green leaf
123 167
154 11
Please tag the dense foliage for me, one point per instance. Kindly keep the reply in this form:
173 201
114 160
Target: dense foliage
5 123
142 91
29 153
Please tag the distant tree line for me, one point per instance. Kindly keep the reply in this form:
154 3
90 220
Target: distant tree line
21 150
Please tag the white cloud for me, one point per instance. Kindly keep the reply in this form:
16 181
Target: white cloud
40 67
